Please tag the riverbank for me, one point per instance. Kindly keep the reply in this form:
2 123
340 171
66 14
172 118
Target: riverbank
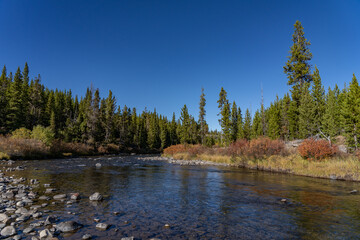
339 168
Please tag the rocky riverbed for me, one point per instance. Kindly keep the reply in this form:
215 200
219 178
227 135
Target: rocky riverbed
24 212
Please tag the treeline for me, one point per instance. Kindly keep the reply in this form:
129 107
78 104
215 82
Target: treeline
90 119
308 110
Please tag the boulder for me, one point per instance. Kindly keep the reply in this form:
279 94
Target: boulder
8 231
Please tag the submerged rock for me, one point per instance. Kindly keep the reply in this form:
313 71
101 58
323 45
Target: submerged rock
86 237
96 197
59 196
68 226
102 226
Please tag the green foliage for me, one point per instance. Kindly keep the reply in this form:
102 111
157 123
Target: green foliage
351 114
247 125
44 134
297 68
21 133
306 113
202 113
318 95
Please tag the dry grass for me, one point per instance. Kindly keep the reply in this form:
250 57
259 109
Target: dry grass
345 167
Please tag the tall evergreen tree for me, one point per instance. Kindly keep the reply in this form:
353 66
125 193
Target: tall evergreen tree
234 122
297 68
4 85
15 119
202 113
306 113
247 125
109 117
351 114
185 125
318 95
330 120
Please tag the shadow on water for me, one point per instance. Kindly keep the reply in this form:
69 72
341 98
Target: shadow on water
198 202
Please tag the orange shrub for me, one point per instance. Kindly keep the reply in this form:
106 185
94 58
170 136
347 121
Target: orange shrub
316 149
179 148
240 147
265 146
195 149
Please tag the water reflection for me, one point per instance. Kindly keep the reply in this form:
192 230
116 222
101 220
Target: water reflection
198 202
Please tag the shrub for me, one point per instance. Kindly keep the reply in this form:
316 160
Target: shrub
238 148
59 147
44 134
316 149
265 146
179 148
108 148
23 148
194 150
21 133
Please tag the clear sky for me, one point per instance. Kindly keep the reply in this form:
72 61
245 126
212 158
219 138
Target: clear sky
158 54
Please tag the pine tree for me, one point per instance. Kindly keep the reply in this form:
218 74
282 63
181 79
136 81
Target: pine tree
274 112
4 85
226 123
240 134
172 131
25 108
15 119
285 105
297 68
318 95
256 129
306 113
330 120
109 117
234 122
351 114
293 118
164 134
247 125
184 125
202 113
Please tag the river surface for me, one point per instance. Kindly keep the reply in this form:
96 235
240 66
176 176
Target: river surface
198 202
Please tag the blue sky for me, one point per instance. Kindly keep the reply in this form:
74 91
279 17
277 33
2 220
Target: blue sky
158 54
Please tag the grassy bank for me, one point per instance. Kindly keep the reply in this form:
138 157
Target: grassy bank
320 161
342 168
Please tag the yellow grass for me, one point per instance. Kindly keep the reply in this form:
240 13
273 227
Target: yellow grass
344 168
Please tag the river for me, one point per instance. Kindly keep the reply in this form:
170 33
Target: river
197 202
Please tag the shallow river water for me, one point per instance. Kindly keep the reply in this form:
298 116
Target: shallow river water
198 202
